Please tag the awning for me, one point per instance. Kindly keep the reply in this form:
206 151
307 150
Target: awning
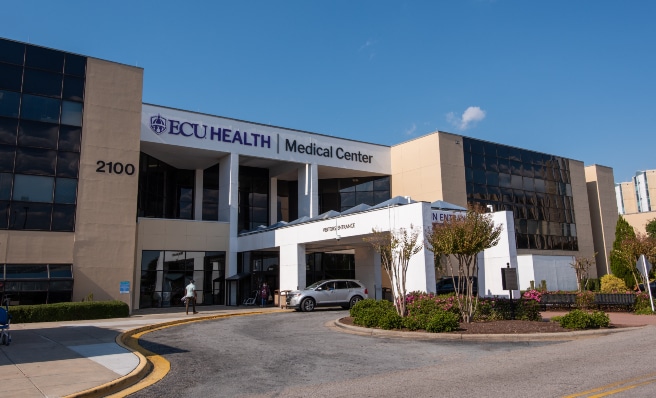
238 277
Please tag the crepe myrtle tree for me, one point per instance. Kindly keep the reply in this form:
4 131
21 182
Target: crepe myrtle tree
582 267
462 238
630 250
395 249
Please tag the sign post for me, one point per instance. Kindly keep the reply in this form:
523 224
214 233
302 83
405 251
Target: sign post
643 267
509 282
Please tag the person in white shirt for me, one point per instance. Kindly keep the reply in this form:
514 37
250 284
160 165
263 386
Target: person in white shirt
191 296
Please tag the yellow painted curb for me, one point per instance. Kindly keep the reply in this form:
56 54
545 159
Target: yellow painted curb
152 367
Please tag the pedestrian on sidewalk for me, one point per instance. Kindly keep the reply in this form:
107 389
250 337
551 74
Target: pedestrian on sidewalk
264 294
191 296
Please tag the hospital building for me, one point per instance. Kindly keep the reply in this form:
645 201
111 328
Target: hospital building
103 195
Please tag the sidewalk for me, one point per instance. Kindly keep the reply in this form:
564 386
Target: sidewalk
57 359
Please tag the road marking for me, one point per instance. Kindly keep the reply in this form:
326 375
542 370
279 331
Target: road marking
622 385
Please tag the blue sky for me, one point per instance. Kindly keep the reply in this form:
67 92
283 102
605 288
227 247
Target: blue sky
570 78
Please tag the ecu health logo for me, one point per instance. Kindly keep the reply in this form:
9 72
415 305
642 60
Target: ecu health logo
158 124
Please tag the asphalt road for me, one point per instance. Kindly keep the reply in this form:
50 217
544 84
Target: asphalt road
297 355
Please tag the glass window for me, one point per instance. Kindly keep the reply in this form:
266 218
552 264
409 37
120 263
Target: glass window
8 129
71 113
35 161
12 52
44 58
68 164
38 134
347 200
65 190
4 217
492 178
7 154
516 182
11 77
73 88
9 103
382 184
365 186
42 82
33 188
5 186
63 218
40 108
75 65
30 216
366 197
70 138
27 271
61 271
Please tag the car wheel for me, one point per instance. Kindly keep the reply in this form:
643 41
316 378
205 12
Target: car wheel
307 305
354 301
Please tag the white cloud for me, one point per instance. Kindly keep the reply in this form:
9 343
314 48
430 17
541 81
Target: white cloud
470 117
411 130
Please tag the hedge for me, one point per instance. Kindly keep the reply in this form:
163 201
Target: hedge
69 311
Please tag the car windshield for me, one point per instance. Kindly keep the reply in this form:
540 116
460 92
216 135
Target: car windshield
314 285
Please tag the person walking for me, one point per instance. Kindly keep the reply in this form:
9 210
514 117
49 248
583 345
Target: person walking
191 296
264 294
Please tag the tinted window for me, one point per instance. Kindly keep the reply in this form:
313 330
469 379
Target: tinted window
70 138
65 190
32 216
75 65
33 188
11 77
35 161
43 58
38 134
63 218
341 285
7 154
68 164
71 113
40 108
12 52
5 186
8 128
9 103
42 83
73 88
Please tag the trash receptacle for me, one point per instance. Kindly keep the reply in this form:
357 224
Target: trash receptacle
276 297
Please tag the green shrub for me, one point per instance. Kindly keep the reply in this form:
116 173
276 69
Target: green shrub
500 309
578 319
415 322
369 313
592 284
642 304
442 321
612 284
390 320
69 311
584 300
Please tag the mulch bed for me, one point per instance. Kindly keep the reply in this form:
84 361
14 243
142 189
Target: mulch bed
501 327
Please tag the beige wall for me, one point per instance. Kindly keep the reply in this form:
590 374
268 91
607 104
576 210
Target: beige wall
430 168
629 197
178 235
25 247
639 220
603 213
105 226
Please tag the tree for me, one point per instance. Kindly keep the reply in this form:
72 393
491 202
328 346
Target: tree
463 238
630 252
620 263
582 267
395 249
651 228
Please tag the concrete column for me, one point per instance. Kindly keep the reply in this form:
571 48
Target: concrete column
228 202
292 267
421 269
308 190
497 257
198 195
368 271
273 200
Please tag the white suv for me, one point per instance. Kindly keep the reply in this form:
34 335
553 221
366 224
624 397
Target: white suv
327 293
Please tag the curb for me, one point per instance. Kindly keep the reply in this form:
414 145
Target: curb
560 336
152 367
